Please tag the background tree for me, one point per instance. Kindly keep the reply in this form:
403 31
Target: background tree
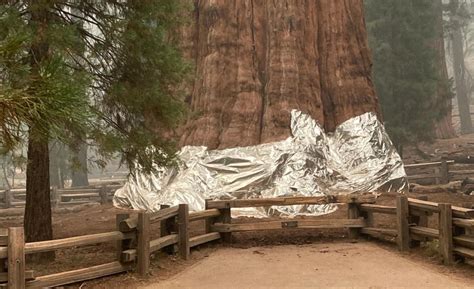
59 167
41 96
11 162
458 21
444 126
79 166
402 34
122 58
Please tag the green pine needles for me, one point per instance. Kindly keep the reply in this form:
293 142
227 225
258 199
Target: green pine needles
402 36
106 72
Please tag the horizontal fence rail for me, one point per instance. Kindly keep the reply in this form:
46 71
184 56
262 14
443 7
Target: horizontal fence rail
287 201
453 232
15 198
135 244
290 224
211 213
441 172
46 246
74 276
372 208
433 207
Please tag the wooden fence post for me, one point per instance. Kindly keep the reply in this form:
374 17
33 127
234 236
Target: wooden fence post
446 233
225 218
403 230
143 243
353 213
183 232
16 258
122 245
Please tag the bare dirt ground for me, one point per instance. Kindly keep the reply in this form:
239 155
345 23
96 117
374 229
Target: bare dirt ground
165 268
443 148
96 219
341 265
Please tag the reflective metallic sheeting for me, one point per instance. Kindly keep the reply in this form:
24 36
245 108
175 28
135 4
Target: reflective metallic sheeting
358 156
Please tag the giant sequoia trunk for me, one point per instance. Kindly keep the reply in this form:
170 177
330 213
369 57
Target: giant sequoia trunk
257 60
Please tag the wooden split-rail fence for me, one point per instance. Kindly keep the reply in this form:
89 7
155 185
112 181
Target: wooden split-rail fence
15 198
441 172
135 243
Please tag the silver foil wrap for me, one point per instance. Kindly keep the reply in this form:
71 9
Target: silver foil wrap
358 157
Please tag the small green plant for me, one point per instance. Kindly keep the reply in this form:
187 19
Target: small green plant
431 248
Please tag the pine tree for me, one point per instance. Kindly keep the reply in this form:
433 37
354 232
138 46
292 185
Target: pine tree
402 34
106 72
459 18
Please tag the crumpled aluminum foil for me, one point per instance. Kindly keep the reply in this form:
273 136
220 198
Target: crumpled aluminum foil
358 157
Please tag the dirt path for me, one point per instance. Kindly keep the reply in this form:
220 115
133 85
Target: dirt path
342 265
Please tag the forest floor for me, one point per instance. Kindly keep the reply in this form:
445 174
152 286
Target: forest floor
167 269
443 148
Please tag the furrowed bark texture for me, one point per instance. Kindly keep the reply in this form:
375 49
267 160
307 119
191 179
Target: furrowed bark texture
257 60
38 221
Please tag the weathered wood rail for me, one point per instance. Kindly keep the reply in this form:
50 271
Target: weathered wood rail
135 245
223 224
441 172
103 193
174 225
455 225
16 249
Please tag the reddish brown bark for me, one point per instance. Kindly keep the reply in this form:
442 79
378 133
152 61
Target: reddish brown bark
257 60
38 222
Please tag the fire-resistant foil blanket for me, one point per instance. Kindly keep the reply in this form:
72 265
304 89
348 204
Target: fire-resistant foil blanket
358 157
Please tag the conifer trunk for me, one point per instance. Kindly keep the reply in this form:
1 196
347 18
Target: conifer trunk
79 170
55 169
444 127
459 75
257 60
38 222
